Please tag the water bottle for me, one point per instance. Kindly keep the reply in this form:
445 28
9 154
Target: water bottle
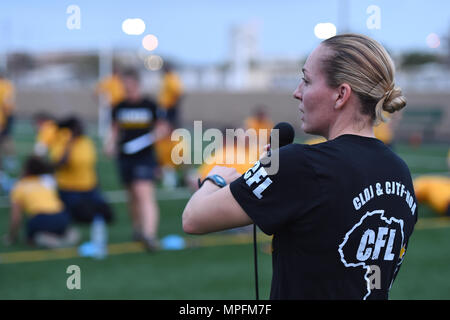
99 237
6 182
173 242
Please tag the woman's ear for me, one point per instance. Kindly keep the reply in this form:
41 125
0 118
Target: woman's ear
343 92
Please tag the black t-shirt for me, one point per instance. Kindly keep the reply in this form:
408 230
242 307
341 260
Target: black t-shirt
341 213
135 120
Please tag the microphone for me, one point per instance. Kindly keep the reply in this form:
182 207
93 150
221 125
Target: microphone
286 135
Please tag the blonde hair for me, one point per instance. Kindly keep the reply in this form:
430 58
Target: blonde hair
366 66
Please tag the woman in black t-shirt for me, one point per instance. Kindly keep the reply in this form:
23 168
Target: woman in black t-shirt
135 127
341 211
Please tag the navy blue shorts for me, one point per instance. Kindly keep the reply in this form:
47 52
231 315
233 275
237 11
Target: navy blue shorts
52 223
137 167
84 206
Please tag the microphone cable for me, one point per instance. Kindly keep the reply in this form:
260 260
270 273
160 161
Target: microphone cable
286 137
255 255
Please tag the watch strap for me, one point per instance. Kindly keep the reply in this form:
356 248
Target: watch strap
216 179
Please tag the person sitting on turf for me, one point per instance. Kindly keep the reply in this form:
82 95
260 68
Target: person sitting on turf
74 157
434 191
36 195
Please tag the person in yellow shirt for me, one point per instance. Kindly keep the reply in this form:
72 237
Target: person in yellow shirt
163 148
111 88
7 107
315 140
263 125
74 157
219 159
169 99
7 104
46 133
384 130
35 194
239 157
170 95
434 191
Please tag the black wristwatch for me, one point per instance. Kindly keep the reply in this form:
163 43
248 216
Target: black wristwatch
216 179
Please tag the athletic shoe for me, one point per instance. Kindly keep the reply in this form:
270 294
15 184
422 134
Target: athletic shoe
151 244
53 241
137 236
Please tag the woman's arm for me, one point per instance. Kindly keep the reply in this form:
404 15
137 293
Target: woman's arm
212 208
109 147
161 130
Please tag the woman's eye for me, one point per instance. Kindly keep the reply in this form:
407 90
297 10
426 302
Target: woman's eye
304 80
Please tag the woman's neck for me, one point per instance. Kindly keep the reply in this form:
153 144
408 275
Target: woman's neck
356 124
366 132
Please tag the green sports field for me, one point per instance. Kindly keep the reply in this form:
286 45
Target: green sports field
220 267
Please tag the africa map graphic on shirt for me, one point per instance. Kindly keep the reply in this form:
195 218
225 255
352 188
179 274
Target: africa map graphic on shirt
378 239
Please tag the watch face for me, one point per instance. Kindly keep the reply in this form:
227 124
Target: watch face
219 180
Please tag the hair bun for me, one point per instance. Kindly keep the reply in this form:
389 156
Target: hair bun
394 100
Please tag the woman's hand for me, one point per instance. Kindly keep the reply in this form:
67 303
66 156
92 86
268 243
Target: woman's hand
265 151
109 149
162 130
110 143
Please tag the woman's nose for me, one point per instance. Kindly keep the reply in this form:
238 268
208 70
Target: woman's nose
297 93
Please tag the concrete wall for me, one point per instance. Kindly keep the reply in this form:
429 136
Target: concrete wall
216 109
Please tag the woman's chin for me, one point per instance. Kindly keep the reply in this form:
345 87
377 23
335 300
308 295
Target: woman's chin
305 127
